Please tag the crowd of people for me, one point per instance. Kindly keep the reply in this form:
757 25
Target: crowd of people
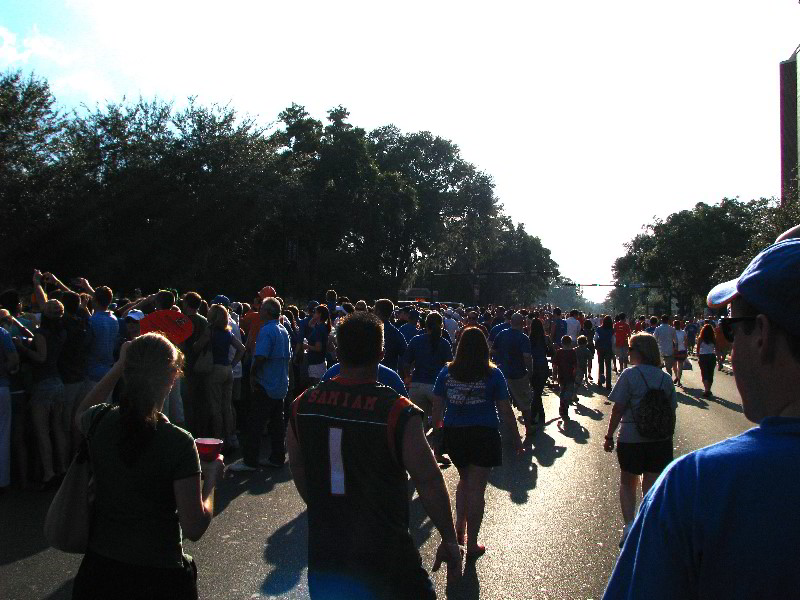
381 390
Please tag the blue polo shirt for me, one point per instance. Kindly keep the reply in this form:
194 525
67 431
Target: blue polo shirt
427 360
273 344
394 346
385 376
509 346
104 334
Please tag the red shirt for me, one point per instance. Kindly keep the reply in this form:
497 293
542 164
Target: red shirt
622 331
566 363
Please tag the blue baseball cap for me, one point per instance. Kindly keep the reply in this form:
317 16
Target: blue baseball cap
770 283
220 299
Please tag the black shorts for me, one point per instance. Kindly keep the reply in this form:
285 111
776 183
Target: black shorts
474 445
644 457
102 577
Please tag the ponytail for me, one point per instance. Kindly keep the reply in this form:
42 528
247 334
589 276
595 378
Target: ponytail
151 363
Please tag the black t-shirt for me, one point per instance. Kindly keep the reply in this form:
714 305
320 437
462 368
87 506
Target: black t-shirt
350 435
199 323
73 362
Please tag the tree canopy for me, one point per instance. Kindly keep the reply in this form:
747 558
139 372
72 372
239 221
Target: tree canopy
684 255
141 194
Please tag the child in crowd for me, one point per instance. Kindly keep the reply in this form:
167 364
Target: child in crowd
584 355
565 363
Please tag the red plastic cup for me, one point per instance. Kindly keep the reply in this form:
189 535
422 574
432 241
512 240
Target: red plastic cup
208 448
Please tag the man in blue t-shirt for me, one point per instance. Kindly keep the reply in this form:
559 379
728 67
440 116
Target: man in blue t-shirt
409 329
104 334
502 326
269 383
722 522
512 349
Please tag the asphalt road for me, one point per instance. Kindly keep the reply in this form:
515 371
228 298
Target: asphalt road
551 529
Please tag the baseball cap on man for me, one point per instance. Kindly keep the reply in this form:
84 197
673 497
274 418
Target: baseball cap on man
220 299
135 315
770 283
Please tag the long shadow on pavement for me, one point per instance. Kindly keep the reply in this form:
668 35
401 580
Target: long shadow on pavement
573 429
544 448
517 476
585 411
694 397
287 552
468 587
255 483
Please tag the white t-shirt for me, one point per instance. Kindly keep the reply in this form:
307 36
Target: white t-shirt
629 390
680 335
573 328
705 348
665 336
452 326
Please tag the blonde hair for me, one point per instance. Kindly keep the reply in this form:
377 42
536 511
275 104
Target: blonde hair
152 364
646 345
218 317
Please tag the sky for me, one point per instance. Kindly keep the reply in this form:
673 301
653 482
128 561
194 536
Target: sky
593 118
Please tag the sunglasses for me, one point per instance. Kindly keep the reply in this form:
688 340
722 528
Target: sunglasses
726 325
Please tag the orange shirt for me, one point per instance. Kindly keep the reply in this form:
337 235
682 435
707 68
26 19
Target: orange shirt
251 324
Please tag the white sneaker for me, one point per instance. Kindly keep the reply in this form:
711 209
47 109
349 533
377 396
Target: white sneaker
241 467
625 531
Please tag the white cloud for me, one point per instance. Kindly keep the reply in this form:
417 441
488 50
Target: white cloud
9 52
48 49
35 47
89 85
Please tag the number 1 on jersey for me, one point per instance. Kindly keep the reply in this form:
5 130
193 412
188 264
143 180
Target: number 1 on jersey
337 464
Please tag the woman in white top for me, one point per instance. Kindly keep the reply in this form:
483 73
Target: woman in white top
706 356
680 350
641 459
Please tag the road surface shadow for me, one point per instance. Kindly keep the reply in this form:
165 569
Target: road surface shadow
287 551
573 429
544 448
517 475
255 483
694 397
586 411
468 587
62 593
21 523
420 526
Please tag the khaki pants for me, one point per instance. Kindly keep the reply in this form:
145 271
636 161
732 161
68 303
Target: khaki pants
220 392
